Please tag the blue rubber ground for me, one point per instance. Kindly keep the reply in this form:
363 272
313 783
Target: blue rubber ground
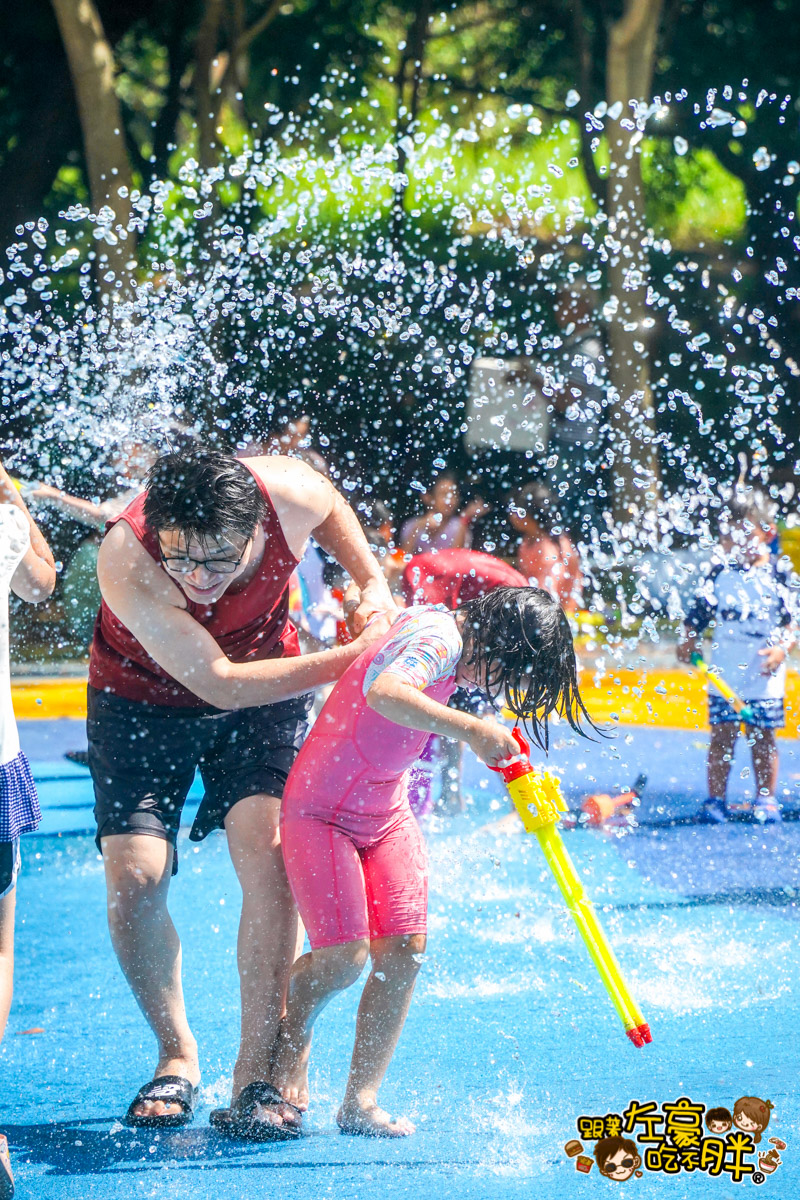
510 1037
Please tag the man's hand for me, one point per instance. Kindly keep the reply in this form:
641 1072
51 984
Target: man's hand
380 624
375 597
492 742
773 657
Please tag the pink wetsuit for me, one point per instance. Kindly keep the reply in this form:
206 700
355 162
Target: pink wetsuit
354 854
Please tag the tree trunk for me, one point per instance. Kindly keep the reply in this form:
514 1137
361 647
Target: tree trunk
91 65
206 100
408 110
629 74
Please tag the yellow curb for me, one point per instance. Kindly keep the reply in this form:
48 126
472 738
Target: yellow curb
672 699
49 698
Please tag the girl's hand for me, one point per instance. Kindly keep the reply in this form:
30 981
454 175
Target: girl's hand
476 508
773 657
492 742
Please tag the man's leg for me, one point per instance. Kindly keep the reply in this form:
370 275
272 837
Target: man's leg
138 869
268 932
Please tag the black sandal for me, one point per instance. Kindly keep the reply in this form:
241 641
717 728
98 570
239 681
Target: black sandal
172 1089
240 1120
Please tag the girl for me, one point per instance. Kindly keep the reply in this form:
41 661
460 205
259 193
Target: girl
546 556
442 527
354 853
28 570
752 1115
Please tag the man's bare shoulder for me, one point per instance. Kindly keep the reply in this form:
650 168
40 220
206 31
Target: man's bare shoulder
126 572
281 471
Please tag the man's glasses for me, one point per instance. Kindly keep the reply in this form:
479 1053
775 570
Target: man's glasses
626 1164
216 566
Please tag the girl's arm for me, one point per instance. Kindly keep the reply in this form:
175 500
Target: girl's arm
84 511
405 705
35 576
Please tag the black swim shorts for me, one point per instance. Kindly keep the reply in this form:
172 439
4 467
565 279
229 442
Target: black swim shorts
143 757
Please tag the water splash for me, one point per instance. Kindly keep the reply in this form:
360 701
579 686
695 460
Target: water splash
284 279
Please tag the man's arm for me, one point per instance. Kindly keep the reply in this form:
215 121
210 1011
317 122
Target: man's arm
35 576
153 609
307 503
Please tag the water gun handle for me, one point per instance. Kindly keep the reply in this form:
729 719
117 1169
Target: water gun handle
739 707
536 796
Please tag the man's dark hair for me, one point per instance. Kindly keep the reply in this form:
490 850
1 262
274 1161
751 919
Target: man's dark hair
520 641
718 1114
202 494
609 1146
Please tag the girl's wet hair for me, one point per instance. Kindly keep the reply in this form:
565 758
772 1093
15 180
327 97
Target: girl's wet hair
519 643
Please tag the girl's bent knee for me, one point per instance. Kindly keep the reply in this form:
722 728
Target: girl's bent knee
342 964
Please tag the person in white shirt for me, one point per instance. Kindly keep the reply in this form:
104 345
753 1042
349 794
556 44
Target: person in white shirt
751 600
27 569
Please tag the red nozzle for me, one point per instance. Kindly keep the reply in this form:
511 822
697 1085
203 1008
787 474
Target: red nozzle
635 1036
644 1030
520 766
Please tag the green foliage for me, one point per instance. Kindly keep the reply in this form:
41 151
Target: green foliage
691 199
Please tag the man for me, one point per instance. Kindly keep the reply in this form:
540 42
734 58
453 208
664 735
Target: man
194 663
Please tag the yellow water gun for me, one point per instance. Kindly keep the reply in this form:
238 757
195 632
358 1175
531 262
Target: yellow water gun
742 710
538 800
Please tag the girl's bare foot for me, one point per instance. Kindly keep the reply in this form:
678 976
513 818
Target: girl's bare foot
290 1073
368 1120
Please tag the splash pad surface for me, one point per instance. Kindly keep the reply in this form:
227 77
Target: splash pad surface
510 1036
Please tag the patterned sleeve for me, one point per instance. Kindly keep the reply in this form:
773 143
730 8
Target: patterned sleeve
433 647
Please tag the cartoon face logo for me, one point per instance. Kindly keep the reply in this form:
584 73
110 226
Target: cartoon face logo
718 1120
751 1115
617 1158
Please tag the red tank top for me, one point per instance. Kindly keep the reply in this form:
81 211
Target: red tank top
452 577
248 625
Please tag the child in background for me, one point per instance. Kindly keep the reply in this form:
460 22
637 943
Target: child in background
751 601
546 556
27 567
442 527
354 854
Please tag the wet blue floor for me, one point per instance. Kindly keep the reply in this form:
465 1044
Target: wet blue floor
510 1036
